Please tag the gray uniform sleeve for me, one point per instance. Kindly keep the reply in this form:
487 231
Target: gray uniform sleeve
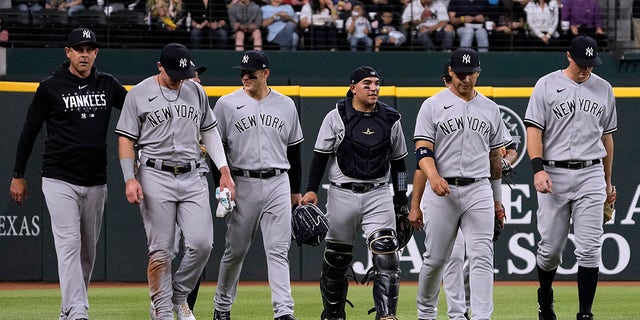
610 120
129 123
327 140
536 109
501 137
425 126
295 135
218 111
398 142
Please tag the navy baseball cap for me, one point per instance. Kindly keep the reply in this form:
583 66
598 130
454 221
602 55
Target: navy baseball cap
199 70
465 60
584 51
445 71
81 36
253 60
360 73
176 61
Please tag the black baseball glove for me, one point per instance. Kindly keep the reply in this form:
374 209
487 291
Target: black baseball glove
308 225
498 223
404 229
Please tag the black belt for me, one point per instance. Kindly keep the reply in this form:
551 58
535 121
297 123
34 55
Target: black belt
570 164
177 169
358 187
461 182
259 174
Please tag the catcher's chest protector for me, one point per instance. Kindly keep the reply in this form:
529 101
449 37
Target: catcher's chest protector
365 150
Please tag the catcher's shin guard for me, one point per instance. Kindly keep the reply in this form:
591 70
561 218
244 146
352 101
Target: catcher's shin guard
333 280
386 280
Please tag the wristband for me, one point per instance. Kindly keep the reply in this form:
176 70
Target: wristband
496 187
126 165
536 165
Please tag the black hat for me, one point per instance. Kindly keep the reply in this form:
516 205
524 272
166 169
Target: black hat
81 36
176 61
253 60
465 60
445 71
584 51
199 70
360 73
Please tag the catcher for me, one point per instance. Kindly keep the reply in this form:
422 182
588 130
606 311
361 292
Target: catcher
363 142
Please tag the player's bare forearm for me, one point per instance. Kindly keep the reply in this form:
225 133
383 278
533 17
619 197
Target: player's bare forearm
125 148
310 197
415 212
428 166
511 156
534 142
227 182
495 164
607 161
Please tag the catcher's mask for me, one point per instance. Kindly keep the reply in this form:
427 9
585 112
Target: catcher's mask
308 225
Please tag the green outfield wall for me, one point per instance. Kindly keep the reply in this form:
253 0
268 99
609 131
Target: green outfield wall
26 243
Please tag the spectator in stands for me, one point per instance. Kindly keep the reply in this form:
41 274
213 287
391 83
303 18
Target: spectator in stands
387 30
318 21
208 21
378 6
358 28
70 6
167 13
505 21
543 17
245 18
28 5
468 16
280 20
430 20
584 17
344 8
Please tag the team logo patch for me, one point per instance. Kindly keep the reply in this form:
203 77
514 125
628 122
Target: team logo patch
245 59
589 52
518 131
466 59
183 63
86 34
368 132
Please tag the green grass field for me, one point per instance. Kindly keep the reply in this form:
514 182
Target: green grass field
511 302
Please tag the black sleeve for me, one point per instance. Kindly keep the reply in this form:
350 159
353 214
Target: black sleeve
316 170
118 95
399 176
33 123
294 155
215 173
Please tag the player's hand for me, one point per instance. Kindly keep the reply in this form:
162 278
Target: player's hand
227 182
499 211
18 190
440 186
611 194
542 182
574 30
296 199
415 217
133 191
309 197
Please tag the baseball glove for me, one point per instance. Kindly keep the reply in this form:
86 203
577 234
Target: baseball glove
498 223
308 225
609 204
404 229
508 173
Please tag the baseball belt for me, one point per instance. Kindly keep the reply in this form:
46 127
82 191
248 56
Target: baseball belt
175 169
258 174
571 164
358 187
460 181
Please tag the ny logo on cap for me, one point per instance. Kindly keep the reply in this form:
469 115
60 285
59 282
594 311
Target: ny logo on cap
86 34
373 73
589 52
245 59
466 58
183 62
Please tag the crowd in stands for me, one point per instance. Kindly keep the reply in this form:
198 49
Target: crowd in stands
367 25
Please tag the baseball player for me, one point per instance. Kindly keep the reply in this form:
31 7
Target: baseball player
262 134
76 103
456 272
364 142
570 120
458 136
165 114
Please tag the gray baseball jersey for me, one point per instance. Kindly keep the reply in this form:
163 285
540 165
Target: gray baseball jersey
256 135
346 210
463 133
166 125
573 118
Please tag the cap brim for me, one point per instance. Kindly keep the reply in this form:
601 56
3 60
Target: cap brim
180 74
247 68
596 62
466 69
200 70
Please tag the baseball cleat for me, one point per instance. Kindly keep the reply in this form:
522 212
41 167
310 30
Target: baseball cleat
584 316
183 312
545 306
285 317
221 315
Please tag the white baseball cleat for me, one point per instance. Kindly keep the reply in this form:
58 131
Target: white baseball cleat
183 312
